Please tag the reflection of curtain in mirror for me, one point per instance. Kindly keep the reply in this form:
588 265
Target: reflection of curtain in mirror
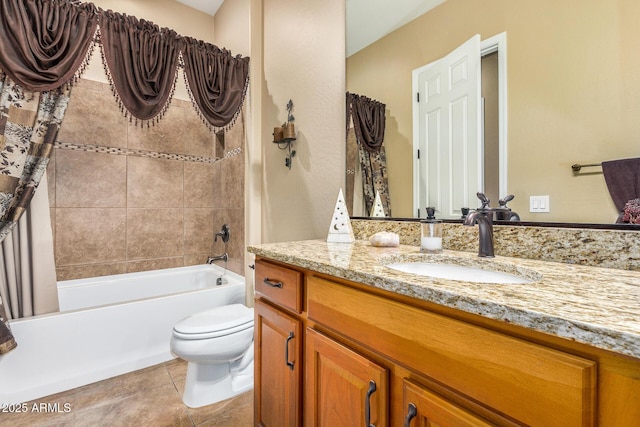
365 128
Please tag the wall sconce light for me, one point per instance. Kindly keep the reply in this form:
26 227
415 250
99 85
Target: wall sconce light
285 135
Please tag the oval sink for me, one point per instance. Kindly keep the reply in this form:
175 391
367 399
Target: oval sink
457 272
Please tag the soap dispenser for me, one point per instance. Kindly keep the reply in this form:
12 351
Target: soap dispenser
431 234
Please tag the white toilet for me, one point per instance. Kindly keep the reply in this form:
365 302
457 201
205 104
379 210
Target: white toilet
218 346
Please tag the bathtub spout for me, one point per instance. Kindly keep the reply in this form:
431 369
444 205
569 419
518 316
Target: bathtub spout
224 257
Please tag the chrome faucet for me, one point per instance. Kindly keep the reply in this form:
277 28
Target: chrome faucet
484 217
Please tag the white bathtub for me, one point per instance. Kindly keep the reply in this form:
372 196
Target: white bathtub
108 326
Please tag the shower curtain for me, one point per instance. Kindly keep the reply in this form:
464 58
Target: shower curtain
28 270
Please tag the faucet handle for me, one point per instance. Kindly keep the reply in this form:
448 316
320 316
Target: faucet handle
224 233
506 199
483 199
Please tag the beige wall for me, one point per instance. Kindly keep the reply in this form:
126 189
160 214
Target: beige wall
573 94
303 61
232 27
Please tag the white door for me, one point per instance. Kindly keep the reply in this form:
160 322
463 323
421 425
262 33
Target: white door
449 131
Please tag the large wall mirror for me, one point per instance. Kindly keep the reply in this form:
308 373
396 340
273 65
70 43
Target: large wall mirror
573 93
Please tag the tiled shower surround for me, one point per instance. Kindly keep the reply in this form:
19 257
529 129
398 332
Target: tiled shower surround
125 198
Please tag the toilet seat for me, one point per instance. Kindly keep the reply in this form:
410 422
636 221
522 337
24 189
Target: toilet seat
216 322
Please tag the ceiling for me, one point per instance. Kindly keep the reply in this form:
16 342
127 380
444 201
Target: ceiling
206 6
367 20
370 20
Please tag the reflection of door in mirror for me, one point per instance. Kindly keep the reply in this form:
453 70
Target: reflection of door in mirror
457 129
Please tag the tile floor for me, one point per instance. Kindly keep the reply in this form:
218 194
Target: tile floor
148 397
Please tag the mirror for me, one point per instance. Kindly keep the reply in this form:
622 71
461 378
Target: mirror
573 95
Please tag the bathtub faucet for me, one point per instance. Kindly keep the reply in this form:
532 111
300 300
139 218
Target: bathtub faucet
224 257
224 233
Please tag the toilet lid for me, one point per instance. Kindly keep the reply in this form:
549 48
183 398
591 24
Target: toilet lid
217 321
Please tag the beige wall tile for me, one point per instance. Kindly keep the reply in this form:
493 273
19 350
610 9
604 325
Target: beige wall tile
154 183
198 138
86 179
232 182
90 270
217 185
154 233
234 137
93 117
89 235
198 185
154 264
196 259
166 136
198 231
170 209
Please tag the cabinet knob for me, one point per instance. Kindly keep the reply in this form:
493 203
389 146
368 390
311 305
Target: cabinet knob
412 411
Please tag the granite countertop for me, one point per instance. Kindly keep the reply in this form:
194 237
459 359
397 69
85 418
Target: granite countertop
592 305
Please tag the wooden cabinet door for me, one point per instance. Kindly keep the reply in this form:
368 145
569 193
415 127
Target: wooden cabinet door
278 367
342 387
423 408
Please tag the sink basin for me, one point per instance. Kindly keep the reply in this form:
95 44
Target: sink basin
457 272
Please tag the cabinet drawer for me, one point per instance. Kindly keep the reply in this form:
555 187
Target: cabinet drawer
280 285
533 384
426 408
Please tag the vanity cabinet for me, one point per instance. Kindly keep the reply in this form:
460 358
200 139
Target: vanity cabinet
278 347
423 407
342 387
365 356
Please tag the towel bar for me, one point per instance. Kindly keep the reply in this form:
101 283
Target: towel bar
576 167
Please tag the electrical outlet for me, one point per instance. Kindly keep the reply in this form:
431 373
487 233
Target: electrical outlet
539 204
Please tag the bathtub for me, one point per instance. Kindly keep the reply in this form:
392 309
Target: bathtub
108 326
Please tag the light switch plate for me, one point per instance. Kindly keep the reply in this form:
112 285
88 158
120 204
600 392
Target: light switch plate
539 204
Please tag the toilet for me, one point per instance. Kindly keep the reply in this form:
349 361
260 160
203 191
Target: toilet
218 346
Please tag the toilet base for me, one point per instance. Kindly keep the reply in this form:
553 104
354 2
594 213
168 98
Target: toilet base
211 383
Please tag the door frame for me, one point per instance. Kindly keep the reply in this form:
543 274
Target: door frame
496 43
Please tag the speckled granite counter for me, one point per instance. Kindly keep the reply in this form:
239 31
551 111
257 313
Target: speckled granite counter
592 305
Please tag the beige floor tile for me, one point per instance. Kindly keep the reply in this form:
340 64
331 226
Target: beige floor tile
148 397
234 412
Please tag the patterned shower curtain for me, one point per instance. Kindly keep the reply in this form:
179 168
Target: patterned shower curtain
368 119
29 123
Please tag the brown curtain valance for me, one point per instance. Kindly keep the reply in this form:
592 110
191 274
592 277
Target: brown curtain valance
44 44
368 120
141 60
216 80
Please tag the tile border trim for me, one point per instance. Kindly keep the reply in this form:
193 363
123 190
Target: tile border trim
144 153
